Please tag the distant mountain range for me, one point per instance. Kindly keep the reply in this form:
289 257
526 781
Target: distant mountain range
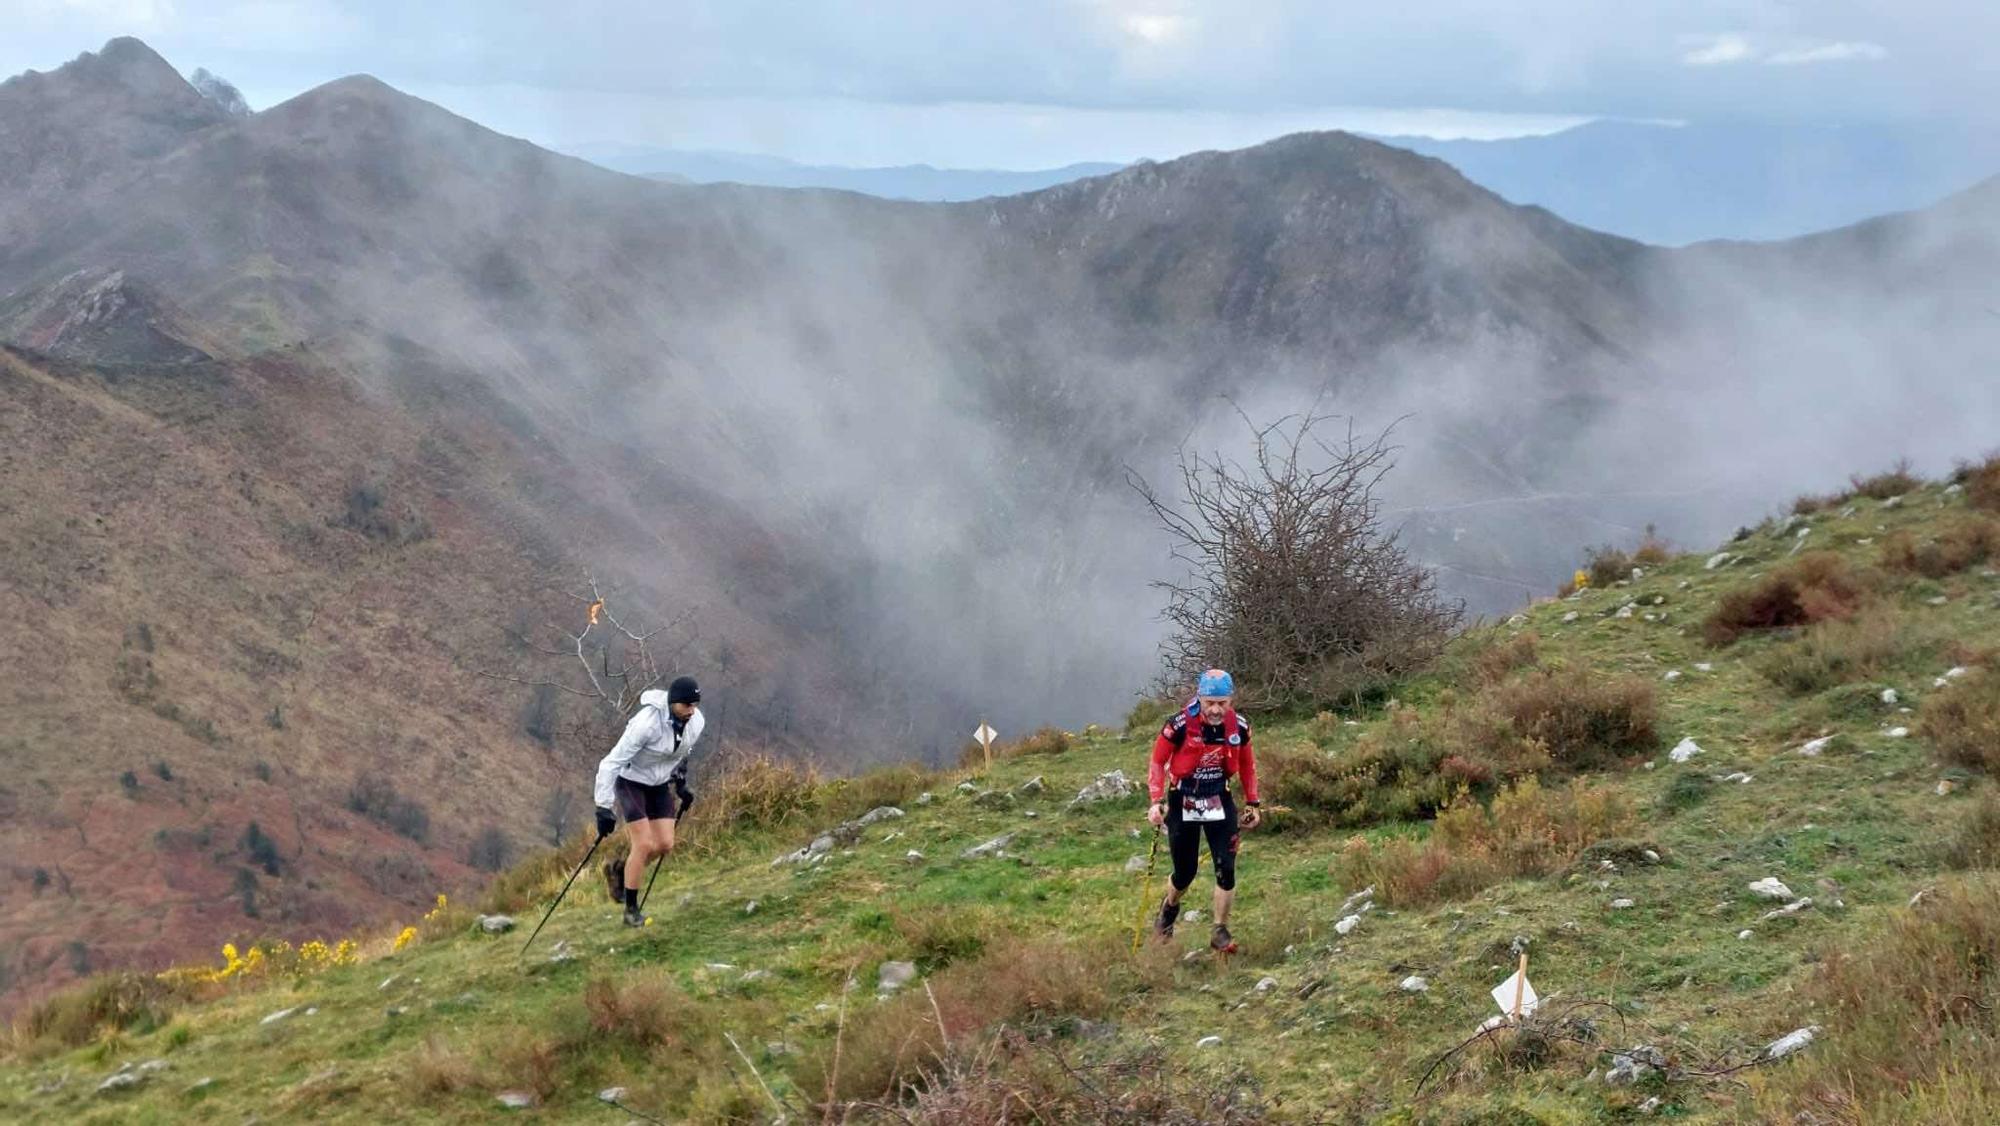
908 182
1663 184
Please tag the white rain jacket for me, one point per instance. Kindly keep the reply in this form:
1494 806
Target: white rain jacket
649 751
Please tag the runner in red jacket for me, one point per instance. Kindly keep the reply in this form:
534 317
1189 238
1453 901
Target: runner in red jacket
1197 752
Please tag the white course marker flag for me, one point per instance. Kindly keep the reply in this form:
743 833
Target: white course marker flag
1516 989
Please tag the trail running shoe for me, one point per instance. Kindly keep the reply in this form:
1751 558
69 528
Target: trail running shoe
1220 940
633 916
1163 927
614 878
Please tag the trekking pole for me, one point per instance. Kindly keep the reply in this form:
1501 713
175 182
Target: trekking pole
648 893
559 895
1145 883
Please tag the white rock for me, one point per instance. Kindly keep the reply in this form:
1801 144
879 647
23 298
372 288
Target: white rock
1208 1042
1788 909
1651 856
1719 559
1814 746
894 976
1626 610
1889 697
1570 617
750 908
1790 1042
1945 786
496 924
1030 814
274 1018
386 983
1346 926
1033 785
1109 786
1937 600
1703 666
1684 750
1414 984
967 787
1671 675
1736 776
995 847
1348 905
1893 502
516 1100
1897 732
610 1094
1650 1106
1622 904
1954 672
719 967
924 798
1193 916
913 856
1770 887
1743 933
1265 985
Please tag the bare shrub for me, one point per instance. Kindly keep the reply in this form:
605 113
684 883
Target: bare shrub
1963 722
1011 1077
760 791
1981 480
1294 586
1911 1033
490 850
1606 565
1527 831
1501 657
373 797
1817 586
1894 482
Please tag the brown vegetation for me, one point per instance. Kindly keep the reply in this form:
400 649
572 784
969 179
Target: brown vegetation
1963 721
1896 481
1528 831
1817 586
1981 480
1840 651
1416 763
1911 1033
1957 544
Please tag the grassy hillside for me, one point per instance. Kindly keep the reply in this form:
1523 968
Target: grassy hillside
1623 873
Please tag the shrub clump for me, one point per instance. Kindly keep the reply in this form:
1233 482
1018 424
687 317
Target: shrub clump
1816 587
1976 841
1894 482
1528 831
1958 545
1963 721
1981 481
1839 652
377 800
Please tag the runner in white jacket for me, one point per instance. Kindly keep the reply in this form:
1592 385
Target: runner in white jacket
645 778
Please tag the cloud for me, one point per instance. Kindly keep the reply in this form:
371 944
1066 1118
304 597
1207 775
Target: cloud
1730 48
1719 50
1828 53
1154 29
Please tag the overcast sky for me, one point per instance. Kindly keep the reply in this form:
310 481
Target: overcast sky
1037 83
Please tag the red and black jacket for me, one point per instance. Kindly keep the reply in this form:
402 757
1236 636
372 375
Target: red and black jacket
1186 745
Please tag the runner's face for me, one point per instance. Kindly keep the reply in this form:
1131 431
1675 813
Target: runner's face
681 711
1213 708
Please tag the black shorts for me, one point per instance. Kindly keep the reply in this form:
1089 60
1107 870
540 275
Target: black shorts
1184 842
640 802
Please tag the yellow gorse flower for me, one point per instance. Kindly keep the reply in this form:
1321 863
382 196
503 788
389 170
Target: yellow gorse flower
1581 579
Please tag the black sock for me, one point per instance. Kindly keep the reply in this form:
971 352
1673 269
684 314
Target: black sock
632 898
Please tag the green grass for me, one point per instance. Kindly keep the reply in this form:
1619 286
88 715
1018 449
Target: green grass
465 1017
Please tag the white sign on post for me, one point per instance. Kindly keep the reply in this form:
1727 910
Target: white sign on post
986 735
1515 996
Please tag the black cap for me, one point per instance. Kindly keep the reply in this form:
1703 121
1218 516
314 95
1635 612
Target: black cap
683 691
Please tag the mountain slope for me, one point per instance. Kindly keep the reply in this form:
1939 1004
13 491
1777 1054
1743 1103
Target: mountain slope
354 362
731 1003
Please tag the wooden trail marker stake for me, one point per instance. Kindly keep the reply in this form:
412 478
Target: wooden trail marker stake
986 735
1515 996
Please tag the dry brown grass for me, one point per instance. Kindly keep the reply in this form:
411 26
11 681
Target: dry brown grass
1580 721
1816 587
111 1002
525 1061
1838 652
1963 721
1497 661
644 1008
887 1050
440 1069
1957 545
1975 843
1528 831
1910 1021
1044 741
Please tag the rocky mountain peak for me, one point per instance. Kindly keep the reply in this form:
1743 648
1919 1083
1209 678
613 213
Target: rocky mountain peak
220 91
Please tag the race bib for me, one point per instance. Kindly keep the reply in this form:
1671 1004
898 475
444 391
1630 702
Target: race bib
1201 809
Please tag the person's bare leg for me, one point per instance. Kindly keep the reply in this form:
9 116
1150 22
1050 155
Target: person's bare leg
1173 893
642 851
1223 900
